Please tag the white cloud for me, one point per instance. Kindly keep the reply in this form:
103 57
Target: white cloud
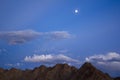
111 60
60 58
19 37
112 56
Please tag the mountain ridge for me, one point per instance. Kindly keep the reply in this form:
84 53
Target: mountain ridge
58 72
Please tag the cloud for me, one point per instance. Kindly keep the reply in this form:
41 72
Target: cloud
60 58
3 50
19 37
23 36
14 65
57 35
111 60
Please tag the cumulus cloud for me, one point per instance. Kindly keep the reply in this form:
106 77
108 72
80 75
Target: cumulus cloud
111 60
60 58
19 37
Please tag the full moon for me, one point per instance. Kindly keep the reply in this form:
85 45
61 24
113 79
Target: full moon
76 11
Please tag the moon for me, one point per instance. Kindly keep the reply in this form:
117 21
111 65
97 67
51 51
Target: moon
76 11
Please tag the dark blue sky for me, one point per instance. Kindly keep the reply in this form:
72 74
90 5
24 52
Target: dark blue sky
50 31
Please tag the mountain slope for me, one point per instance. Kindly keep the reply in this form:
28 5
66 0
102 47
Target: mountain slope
89 72
57 72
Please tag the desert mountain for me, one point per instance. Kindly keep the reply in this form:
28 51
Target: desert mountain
57 72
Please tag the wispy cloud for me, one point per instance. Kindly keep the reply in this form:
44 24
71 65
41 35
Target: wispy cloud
20 37
57 35
60 58
111 60
3 50
14 65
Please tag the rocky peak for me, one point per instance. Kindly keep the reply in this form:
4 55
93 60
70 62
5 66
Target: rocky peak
88 64
13 69
89 72
61 66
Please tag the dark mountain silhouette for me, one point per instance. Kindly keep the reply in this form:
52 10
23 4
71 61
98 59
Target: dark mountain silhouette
117 78
57 72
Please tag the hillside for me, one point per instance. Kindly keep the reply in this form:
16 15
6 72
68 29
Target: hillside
57 72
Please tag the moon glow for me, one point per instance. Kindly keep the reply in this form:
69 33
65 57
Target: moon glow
76 11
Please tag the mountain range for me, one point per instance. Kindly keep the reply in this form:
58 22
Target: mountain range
58 72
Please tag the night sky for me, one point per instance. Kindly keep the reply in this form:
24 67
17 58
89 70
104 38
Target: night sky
47 32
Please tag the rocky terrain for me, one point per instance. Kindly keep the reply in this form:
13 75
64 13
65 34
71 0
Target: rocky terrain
57 72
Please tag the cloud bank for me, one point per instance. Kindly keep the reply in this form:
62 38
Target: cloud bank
60 58
23 36
111 60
